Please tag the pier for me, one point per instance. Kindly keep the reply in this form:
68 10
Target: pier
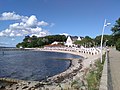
14 49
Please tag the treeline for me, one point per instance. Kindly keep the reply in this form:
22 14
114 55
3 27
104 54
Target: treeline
116 34
29 42
87 41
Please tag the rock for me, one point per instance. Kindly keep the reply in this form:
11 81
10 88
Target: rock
24 87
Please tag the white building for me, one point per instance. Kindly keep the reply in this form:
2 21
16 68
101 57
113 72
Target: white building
70 41
79 38
55 43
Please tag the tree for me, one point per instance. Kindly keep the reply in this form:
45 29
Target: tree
18 45
116 30
98 40
89 42
40 41
86 42
116 33
26 38
116 26
108 38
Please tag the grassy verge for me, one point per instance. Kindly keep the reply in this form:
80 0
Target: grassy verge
94 75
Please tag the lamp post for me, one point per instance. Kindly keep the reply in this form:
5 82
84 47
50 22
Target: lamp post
105 24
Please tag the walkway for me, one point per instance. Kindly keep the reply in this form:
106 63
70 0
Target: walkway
114 58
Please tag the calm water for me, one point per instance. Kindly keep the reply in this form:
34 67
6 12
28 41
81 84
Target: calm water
32 65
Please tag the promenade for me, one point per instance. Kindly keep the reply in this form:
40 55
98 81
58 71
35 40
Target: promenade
114 58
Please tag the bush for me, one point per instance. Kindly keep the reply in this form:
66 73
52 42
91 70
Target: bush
118 44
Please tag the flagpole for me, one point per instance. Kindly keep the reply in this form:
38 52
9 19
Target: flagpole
102 38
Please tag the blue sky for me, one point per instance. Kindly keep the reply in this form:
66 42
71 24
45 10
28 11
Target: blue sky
43 17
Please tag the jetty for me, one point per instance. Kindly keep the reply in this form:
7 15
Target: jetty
14 49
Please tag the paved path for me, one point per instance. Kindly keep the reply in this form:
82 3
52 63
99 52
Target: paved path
114 57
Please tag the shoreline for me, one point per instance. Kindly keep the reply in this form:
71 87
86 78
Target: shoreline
76 68
85 57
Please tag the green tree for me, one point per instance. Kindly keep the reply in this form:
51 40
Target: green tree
89 42
26 38
116 30
109 38
40 41
116 26
98 40
86 42
24 44
116 33
18 45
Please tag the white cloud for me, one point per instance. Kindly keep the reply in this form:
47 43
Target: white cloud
64 34
32 21
36 30
27 25
41 33
1 34
42 23
12 34
11 16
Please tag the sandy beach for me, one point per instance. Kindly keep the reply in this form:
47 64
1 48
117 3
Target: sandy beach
87 58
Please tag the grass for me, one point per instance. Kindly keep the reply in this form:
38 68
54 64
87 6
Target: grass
94 76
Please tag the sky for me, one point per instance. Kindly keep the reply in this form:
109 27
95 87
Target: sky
19 18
